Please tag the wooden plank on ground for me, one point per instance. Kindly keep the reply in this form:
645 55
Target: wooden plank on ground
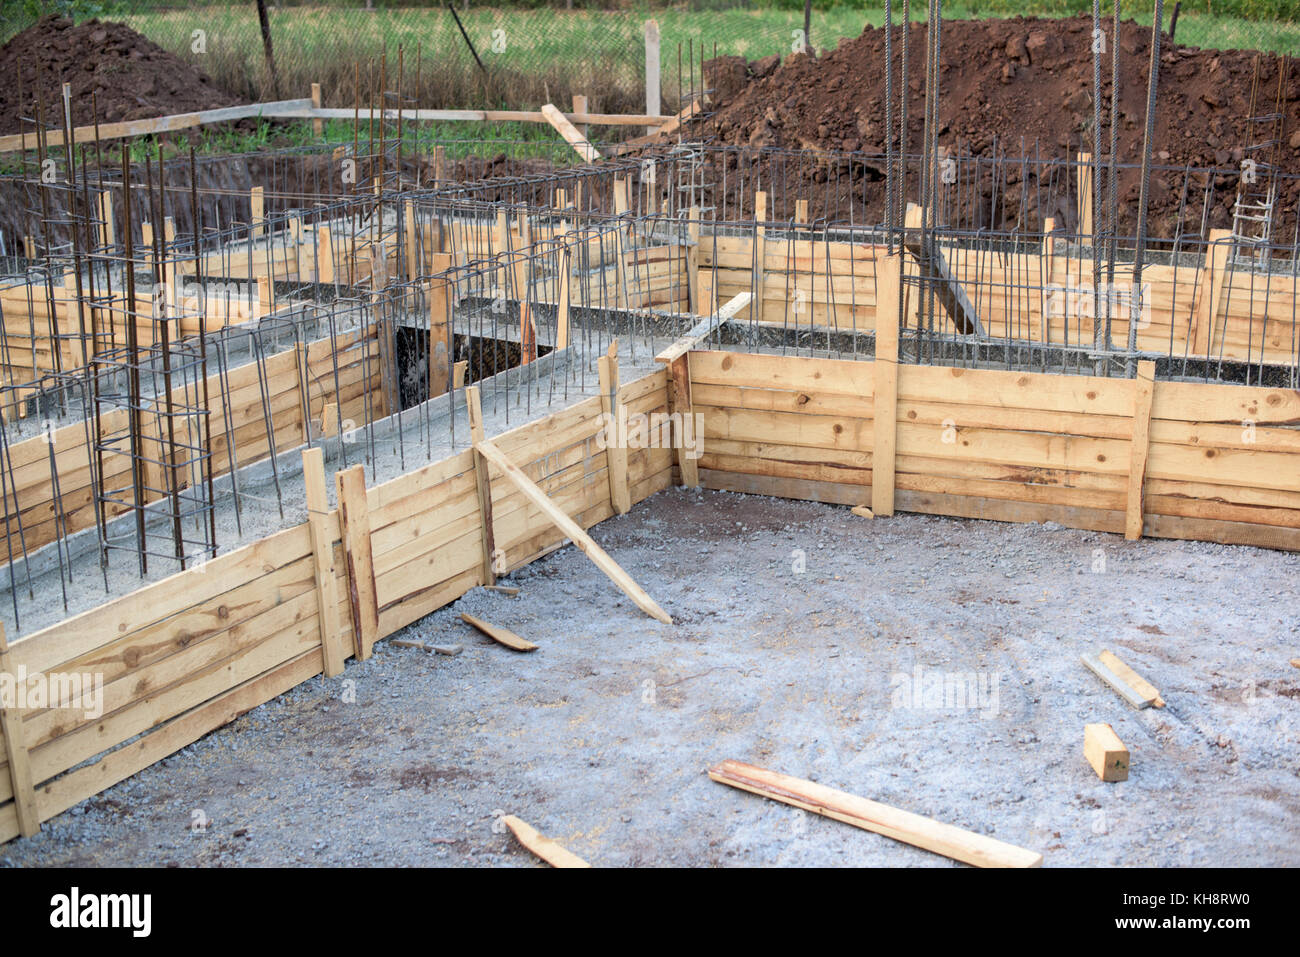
1117 684
1131 678
574 531
545 848
1105 752
922 832
500 635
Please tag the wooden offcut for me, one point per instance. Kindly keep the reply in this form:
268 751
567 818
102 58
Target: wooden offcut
502 636
1117 684
1105 752
572 529
922 832
545 848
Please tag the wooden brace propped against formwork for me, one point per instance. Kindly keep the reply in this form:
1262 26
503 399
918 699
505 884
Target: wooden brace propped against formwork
934 267
571 528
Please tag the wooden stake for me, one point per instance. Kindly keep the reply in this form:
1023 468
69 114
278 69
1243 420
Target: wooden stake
439 336
682 411
571 528
923 832
616 430
324 255
580 106
1085 197
562 314
1143 386
488 538
760 253
543 847
693 260
322 546
885 386
354 523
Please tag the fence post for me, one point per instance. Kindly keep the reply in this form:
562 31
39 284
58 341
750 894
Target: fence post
651 71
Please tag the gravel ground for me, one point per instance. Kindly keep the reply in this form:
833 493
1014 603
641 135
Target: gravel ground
799 629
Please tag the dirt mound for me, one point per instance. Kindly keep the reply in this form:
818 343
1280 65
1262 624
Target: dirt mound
130 77
1020 86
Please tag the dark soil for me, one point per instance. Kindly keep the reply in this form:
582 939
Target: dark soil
1022 87
130 77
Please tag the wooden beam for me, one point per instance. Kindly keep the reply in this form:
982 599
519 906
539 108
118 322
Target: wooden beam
760 253
615 431
704 328
324 255
1085 196
322 546
543 847
317 125
500 635
1105 752
885 385
20 769
474 408
1143 387
922 832
571 528
257 205
439 335
468 116
693 260
570 133
176 121
563 307
354 523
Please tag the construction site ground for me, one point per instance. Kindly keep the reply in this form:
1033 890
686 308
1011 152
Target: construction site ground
799 629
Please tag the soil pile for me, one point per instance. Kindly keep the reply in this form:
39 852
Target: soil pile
130 77
1021 86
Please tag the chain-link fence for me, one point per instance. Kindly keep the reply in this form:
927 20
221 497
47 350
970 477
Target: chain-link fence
524 54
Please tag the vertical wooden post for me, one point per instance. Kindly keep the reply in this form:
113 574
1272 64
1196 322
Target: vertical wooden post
1047 270
801 212
1143 388
439 336
693 260
258 201
413 264
682 413
615 431
317 125
458 374
651 71
1085 197
439 165
354 524
322 546
580 106
621 207
1211 284
760 254
488 539
20 770
265 296
562 314
324 255
885 385
108 229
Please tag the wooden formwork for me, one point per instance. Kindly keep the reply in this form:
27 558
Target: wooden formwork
1044 297
288 385
191 653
